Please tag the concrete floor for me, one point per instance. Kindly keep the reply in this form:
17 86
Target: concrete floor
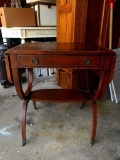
57 131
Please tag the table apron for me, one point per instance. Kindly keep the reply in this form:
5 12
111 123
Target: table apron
76 61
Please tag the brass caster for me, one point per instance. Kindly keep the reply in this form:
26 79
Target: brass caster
23 143
81 107
92 143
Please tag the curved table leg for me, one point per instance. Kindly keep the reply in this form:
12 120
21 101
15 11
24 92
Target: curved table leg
22 40
23 122
87 85
34 104
30 81
82 105
5 40
94 122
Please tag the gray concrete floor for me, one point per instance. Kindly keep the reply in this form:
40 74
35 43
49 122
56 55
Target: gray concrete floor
57 131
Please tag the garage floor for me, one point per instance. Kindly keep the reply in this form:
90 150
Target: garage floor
57 131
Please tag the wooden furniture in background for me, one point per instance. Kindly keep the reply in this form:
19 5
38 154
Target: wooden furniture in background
84 21
55 55
71 22
27 32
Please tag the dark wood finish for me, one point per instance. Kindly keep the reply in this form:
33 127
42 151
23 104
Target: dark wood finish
7 2
116 25
97 29
83 56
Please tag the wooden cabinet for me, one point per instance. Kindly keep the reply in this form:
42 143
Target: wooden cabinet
80 21
83 21
71 27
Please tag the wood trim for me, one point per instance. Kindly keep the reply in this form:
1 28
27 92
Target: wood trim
65 8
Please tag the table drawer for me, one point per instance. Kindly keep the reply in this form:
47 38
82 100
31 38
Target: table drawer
60 61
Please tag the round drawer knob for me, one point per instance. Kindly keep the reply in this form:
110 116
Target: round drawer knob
87 61
35 60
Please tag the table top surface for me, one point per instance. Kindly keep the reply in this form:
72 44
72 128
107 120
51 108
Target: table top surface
59 48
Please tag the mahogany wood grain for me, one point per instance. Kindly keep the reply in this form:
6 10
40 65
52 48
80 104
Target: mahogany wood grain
77 56
59 95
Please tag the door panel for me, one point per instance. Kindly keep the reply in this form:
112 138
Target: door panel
71 20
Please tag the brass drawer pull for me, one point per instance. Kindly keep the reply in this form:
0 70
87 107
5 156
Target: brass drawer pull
35 60
87 61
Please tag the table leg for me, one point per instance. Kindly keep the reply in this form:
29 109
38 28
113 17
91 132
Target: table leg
53 71
4 40
22 41
94 122
30 81
34 104
23 122
25 104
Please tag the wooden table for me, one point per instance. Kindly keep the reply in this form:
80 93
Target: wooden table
55 55
27 32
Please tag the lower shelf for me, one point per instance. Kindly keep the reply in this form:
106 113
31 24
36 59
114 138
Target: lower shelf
59 95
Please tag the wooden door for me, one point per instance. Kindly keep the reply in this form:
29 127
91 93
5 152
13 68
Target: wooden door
85 21
71 20
71 27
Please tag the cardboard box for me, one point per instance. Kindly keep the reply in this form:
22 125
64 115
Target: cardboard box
17 17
